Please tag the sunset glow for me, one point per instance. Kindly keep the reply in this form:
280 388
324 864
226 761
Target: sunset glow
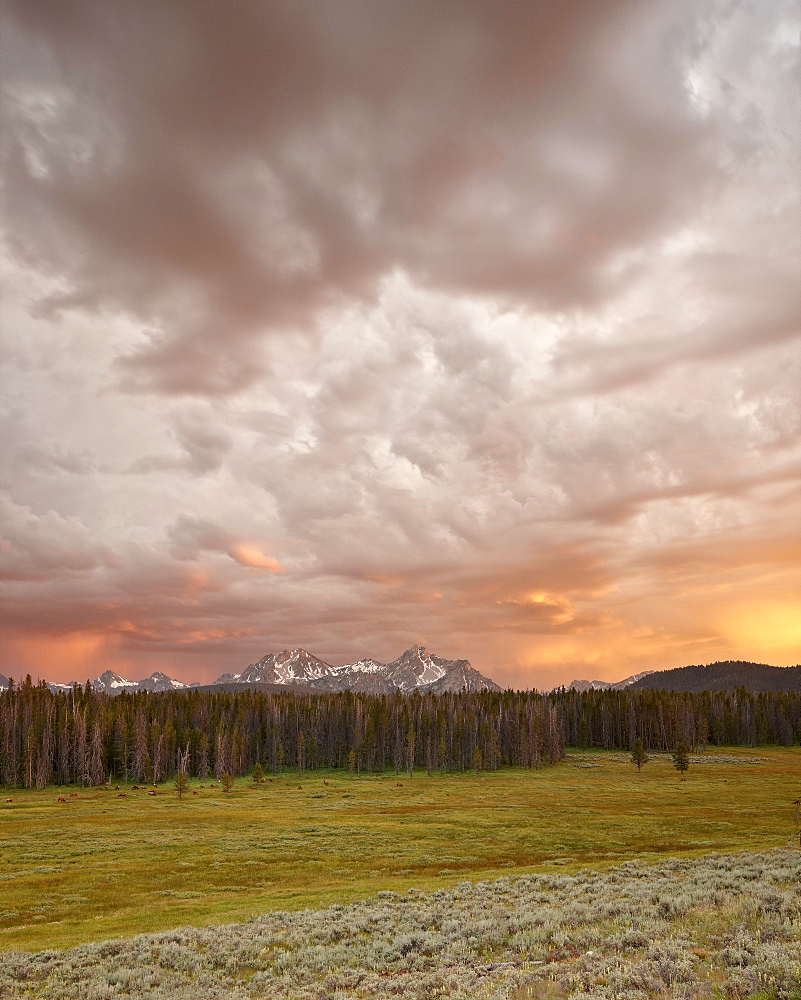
351 325
250 555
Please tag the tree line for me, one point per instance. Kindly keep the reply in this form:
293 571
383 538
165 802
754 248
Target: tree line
614 720
86 737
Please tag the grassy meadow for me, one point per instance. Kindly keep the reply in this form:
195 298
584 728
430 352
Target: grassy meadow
100 865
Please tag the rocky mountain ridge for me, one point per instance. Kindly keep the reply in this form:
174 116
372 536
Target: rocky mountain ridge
112 683
607 685
414 670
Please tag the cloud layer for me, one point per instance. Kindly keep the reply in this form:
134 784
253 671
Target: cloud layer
357 324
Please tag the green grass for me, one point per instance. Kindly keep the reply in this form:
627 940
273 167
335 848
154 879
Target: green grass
100 866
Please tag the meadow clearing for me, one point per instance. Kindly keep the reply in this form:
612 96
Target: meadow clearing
714 927
101 866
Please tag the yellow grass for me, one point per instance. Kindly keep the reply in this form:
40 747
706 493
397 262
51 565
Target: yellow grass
100 866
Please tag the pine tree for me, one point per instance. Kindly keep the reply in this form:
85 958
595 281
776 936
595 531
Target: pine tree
181 783
639 755
258 772
681 758
227 782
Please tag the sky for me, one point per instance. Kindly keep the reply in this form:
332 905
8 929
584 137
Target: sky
359 324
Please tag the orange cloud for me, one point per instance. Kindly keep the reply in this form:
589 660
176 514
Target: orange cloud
557 610
204 635
251 556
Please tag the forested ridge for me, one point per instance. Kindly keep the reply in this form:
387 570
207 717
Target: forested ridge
728 674
82 736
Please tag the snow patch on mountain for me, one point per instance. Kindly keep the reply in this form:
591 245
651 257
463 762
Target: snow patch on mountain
366 666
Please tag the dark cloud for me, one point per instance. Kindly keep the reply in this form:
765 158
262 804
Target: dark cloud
353 324
223 176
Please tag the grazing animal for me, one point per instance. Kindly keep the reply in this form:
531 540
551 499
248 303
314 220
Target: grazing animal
300 787
8 800
61 799
196 793
135 788
123 795
399 784
73 795
116 788
325 782
151 792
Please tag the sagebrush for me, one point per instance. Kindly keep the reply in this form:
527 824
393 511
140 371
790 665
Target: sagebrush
720 926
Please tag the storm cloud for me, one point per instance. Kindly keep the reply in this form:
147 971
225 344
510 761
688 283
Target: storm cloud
353 324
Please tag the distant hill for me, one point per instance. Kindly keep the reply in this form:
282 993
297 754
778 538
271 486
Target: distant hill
723 676
606 685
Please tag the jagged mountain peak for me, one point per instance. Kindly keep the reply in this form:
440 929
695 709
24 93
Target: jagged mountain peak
289 666
111 675
414 670
159 681
112 682
415 652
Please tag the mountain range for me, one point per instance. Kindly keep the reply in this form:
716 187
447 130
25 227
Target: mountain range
418 670
414 670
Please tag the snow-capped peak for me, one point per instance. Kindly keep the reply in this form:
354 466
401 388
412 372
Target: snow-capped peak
109 680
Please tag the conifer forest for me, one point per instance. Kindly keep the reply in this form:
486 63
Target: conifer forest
85 737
